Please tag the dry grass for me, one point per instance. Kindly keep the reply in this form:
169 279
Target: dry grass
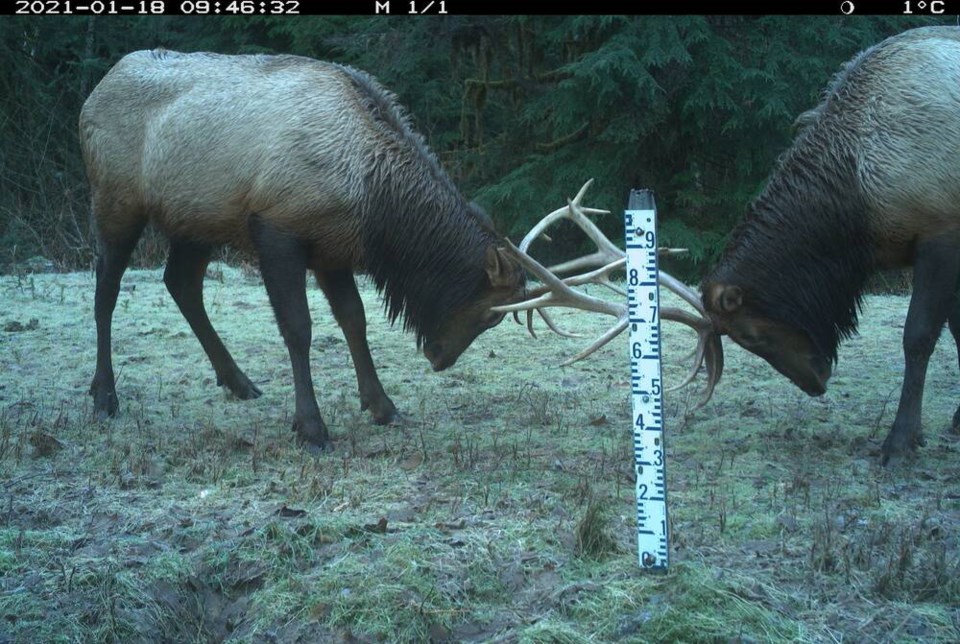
502 509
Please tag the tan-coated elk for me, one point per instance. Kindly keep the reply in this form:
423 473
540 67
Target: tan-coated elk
871 182
307 165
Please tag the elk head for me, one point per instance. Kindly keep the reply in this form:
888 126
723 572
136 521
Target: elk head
787 348
503 282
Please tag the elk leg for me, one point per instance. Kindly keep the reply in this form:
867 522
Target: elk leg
341 291
954 321
934 282
111 264
186 267
283 265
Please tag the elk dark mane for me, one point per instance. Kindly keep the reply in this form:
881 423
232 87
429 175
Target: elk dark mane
803 252
423 243
309 165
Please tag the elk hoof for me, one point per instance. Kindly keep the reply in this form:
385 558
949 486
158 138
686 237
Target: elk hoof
897 446
383 410
105 403
389 417
313 436
313 450
240 386
396 418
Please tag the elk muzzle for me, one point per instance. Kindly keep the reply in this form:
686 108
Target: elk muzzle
439 360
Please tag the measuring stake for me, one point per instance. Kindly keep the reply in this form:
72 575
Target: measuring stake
646 384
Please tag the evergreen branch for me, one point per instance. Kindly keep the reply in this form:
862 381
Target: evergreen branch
563 140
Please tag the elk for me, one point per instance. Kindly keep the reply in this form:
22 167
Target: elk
307 165
871 182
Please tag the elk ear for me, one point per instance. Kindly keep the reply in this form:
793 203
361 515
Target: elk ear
723 298
499 269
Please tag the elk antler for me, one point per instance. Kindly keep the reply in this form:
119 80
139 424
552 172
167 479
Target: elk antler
558 291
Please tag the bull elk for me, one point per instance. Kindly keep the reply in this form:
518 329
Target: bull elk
871 182
307 165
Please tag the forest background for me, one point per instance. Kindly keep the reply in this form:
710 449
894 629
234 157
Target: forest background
521 110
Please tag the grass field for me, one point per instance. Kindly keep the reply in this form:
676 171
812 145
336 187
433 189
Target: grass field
501 509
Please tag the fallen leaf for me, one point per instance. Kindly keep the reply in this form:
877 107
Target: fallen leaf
45 444
599 420
456 525
412 462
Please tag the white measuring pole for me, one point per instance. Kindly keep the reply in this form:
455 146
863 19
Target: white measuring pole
646 384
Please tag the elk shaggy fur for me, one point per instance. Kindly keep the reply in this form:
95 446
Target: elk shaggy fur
307 165
872 181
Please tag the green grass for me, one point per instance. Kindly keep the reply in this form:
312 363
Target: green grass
501 509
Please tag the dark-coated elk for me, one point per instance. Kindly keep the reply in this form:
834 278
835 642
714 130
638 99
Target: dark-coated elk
307 165
871 182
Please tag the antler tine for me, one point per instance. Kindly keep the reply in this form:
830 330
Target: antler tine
613 332
550 324
688 295
714 360
709 349
559 213
605 256
559 293
679 315
606 252
599 276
